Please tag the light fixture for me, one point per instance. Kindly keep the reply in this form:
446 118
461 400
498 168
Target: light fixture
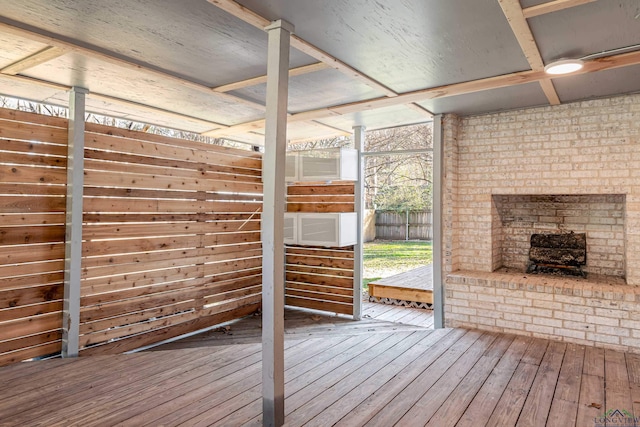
564 66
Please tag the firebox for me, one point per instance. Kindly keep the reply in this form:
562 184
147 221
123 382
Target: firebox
596 220
564 253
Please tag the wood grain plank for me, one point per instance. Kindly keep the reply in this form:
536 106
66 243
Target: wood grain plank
170 141
454 406
301 414
320 189
429 372
34 147
21 204
31 175
617 390
424 342
30 353
320 207
226 312
32 132
7 114
322 280
536 408
481 407
31 295
434 398
322 271
145 147
247 403
319 305
564 407
304 388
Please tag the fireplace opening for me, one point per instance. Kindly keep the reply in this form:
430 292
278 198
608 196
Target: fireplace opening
563 254
597 220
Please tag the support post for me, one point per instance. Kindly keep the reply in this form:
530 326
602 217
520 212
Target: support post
406 230
73 224
358 256
273 170
438 248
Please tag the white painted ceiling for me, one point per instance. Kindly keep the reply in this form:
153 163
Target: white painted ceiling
159 61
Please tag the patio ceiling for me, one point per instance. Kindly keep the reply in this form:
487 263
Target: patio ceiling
199 65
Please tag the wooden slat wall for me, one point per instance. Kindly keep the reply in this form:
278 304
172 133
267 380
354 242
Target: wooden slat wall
320 278
32 204
172 238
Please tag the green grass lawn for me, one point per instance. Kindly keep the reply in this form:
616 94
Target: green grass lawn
386 258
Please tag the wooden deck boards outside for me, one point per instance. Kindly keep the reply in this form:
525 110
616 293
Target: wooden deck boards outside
413 285
343 375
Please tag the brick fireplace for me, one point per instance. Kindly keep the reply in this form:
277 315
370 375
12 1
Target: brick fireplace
573 167
599 216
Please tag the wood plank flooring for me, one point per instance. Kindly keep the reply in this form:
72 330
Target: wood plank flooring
413 285
303 323
372 373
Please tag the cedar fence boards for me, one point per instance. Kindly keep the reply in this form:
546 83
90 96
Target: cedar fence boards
171 236
320 278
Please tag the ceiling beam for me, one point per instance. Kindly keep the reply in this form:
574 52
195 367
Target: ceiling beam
523 77
421 110
124 63
552 6
40 57
305 69
109 98
252 18
513 12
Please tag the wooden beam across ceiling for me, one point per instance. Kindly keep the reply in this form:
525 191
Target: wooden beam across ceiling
120 62
513 12
552 6
252 18
113 99
523 77
305 69
40 57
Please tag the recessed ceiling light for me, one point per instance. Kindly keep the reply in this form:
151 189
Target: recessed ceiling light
564 66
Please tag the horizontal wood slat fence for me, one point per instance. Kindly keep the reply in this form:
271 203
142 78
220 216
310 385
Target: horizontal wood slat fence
320 278
33 152
408 225
171 236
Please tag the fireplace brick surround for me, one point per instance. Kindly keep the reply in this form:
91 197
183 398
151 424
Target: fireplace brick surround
496 168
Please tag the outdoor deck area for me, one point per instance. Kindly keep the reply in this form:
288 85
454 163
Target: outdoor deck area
414 285
338 372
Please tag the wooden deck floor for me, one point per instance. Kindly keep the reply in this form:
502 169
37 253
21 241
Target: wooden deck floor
409 376
413 285
303 323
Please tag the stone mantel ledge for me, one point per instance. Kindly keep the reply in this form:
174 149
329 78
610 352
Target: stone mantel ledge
595 286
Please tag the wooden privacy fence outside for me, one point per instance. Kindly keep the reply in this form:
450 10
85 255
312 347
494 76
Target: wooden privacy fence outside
408 225
171 236
316 277
33 152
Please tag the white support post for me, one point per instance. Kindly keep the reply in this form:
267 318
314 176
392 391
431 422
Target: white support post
273 171
358 142
438 248
73 224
